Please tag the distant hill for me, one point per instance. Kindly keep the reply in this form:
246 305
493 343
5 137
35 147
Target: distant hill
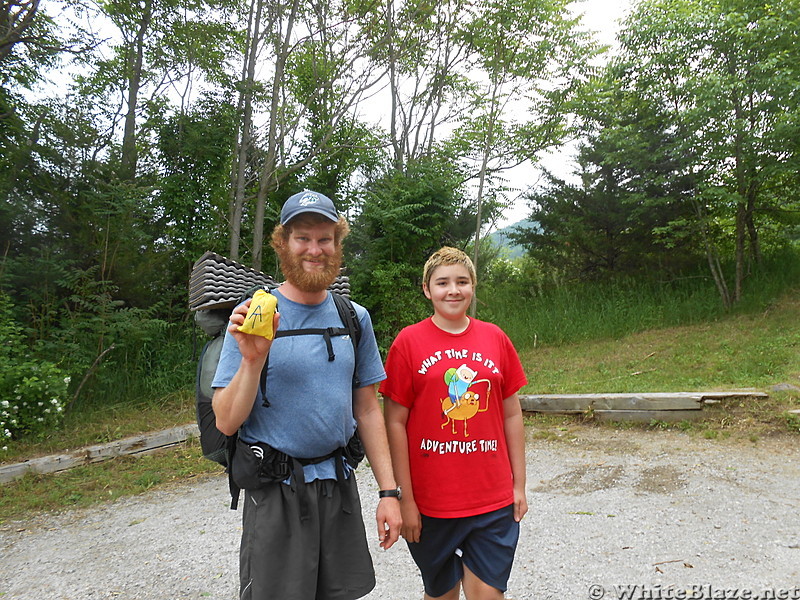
501 238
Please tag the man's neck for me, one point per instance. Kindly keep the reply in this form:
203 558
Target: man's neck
295 294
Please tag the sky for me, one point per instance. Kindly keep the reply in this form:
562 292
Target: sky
600 16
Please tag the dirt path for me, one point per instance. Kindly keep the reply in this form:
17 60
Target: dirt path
609 510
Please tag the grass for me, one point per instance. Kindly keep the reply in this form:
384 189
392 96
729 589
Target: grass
99 424
757 349
124 476
740 351
582 312
744 351
85 486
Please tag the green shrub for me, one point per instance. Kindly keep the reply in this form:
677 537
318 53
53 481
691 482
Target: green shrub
37 395
119 354
34 391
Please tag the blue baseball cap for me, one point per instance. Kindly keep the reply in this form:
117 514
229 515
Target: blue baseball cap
308 201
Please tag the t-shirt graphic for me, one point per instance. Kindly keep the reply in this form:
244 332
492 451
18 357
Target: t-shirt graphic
464 401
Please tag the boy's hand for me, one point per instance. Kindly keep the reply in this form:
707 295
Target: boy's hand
412 520
520 504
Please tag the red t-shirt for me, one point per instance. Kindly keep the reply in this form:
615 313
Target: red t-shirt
454 386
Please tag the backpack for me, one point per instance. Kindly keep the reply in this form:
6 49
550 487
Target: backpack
216 445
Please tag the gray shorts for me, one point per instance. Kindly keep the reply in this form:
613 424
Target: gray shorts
282 557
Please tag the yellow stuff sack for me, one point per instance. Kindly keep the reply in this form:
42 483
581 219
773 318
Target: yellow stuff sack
259 317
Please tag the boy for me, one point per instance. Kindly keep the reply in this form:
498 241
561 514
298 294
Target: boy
460 462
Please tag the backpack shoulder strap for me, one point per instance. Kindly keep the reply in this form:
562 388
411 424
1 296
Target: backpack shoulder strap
347 313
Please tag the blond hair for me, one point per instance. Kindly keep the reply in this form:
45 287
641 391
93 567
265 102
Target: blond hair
446 256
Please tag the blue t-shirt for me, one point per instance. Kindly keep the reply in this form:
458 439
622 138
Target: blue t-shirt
311 398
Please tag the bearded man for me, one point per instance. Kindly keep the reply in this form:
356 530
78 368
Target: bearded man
303 536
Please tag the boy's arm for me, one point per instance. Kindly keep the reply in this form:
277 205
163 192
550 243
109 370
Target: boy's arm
396 416
372 431
515 441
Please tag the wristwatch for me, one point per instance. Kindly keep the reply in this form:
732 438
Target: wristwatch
395 493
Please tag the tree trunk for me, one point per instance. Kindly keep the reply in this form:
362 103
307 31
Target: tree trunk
135 60
487 148
752 230
740 250
269 181
243 150
397 145
711 256
741 211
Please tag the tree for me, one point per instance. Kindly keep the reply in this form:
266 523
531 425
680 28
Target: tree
403 218
621 219
193 192
248 95
319 73
157 44
531 55
426 61
30 44
726 71
17 19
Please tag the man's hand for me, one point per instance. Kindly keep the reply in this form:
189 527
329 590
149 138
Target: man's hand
252 347
389 522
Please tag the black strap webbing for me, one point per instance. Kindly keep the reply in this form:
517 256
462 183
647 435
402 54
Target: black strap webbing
352 327
327 333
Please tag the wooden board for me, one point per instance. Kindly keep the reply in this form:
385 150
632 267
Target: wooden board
135 445
655 401
578 403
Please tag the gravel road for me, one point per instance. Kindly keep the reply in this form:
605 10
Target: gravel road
678 516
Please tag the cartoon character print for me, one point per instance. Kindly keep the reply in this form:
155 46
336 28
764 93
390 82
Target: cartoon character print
462 402
460 380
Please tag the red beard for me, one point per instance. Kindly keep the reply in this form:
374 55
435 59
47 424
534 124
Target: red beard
292 269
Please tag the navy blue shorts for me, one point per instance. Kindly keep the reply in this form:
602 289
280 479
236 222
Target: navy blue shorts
484 543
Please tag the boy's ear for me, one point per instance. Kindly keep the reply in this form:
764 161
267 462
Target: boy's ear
426 291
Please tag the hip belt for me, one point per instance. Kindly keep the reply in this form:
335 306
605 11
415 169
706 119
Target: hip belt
255 465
